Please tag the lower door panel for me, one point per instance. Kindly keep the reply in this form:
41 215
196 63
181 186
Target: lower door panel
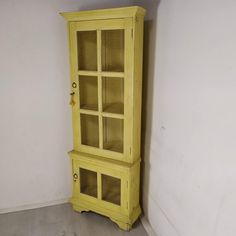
102 183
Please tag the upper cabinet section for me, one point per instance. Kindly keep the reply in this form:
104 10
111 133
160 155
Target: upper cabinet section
106 74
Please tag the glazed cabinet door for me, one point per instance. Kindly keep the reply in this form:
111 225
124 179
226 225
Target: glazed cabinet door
101 83
105 188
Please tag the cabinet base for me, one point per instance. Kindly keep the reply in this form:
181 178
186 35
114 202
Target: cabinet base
79 208
124 222
122 225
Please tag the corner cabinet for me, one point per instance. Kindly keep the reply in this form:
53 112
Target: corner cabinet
106 49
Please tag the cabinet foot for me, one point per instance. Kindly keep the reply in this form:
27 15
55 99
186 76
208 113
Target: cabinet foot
79 209
124 222
122 225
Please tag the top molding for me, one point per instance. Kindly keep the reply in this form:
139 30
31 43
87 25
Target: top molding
110 13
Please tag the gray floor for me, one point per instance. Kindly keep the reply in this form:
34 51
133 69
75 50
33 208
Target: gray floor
61 220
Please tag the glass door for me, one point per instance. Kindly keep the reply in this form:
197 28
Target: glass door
99 50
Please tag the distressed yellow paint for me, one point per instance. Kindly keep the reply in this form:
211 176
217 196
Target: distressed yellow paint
105 160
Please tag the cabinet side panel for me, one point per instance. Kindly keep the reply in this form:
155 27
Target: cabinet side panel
138 63
134 187
128 91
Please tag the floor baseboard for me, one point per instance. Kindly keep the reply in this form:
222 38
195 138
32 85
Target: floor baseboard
147 226
33 206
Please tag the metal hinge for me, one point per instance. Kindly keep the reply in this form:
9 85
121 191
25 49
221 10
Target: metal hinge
127 205
130 150
132 33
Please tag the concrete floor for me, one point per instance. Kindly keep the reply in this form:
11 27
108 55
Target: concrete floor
61 220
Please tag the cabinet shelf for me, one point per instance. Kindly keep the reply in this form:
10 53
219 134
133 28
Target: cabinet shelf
104 114
117 108
102 73
115 146
92 107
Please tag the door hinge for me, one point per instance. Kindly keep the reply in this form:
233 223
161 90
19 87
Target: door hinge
130 150
132 33
127 205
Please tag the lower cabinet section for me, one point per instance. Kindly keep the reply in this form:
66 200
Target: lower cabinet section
105 186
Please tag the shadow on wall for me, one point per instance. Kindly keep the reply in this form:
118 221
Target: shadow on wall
149 59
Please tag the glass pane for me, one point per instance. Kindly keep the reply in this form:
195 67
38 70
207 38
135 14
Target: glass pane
113 50
88 182
113 134
111 189
88 91
89 130
87 50
113 95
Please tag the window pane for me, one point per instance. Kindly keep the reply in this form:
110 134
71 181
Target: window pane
88 182
113 134
89 130
111 189
88 91
113 95
87 50
113 50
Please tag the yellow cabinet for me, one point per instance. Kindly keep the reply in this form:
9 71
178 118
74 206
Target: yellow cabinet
106 77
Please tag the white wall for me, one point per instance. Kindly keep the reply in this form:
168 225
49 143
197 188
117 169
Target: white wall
189 122
35 118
